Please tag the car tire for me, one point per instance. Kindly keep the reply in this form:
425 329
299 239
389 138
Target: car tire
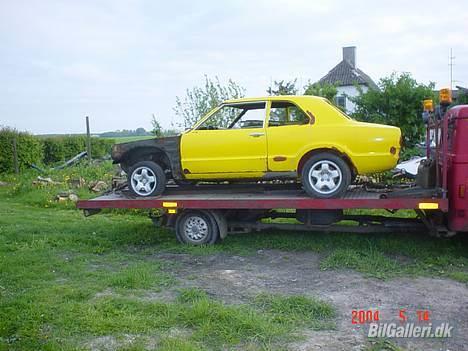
325 175
146 178
196 227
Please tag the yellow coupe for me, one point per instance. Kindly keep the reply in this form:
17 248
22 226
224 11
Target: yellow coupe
276 137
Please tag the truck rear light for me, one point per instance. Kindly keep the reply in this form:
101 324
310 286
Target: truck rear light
461 191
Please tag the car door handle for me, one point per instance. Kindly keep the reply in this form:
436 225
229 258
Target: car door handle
256 135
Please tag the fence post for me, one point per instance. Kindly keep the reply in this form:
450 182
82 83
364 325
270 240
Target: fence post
15 156
88 139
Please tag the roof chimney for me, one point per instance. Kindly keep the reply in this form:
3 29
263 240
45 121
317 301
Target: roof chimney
349 55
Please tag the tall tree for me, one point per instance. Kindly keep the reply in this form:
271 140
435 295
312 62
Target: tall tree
325 90
397 103
282 87
198 101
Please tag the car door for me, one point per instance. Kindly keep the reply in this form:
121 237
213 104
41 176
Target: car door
288 130
232 140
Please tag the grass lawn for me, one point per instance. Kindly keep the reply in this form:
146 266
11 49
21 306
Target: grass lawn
68 282
120 140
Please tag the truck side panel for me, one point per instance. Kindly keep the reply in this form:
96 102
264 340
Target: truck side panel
458 168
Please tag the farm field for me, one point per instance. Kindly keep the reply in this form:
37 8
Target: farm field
119 140
115 282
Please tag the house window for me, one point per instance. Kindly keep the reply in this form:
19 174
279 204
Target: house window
341 102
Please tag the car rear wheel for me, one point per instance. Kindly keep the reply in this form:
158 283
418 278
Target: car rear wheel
326 175
146 178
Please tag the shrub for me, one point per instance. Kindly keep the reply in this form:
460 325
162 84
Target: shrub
29 149
59 149
398 102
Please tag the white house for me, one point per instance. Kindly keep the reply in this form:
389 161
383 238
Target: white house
346 76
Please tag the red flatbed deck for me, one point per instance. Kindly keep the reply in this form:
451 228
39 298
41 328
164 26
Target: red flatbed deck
259 198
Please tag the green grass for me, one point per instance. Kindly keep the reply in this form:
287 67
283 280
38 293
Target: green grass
120 140
286 310
24 191
66 280
142 275
383 345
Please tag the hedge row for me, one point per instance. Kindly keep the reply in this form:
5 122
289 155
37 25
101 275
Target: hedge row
59 149
29 149
50 150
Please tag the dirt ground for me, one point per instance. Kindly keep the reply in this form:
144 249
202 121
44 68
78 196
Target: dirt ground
235 279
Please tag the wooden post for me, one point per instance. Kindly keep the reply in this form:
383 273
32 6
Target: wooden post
15 156
88 139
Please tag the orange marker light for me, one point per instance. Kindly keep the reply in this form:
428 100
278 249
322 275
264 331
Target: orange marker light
461 191
428 105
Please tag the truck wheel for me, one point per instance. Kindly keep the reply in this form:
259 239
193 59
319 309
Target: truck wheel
196 228
326 175
146 178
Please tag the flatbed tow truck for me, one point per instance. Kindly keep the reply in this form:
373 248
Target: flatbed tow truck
207 213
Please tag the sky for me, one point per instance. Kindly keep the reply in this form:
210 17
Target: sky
119 62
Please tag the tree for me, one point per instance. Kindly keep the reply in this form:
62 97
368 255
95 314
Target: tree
397 103
157 129
462 98
283 88
325 90
140 131
200 100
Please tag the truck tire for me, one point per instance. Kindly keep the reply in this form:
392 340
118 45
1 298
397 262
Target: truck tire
146 178
196 227
325 175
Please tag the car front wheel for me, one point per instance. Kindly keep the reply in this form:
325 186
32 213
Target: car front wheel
326 175
146 178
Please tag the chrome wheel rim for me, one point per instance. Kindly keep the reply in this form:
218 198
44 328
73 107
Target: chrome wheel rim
325 177
143 181
195 228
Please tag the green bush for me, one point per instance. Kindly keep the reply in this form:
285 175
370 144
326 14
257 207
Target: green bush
398 102
59 149
30 149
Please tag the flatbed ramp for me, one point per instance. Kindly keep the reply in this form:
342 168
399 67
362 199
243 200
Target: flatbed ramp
250 198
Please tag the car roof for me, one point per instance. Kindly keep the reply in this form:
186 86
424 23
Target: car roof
292 98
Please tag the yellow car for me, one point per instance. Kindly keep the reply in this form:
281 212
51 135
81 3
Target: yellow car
277 137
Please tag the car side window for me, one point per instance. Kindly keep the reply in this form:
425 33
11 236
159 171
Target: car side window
236 116
286 114
251 118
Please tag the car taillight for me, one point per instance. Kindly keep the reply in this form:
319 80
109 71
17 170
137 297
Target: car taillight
393 150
